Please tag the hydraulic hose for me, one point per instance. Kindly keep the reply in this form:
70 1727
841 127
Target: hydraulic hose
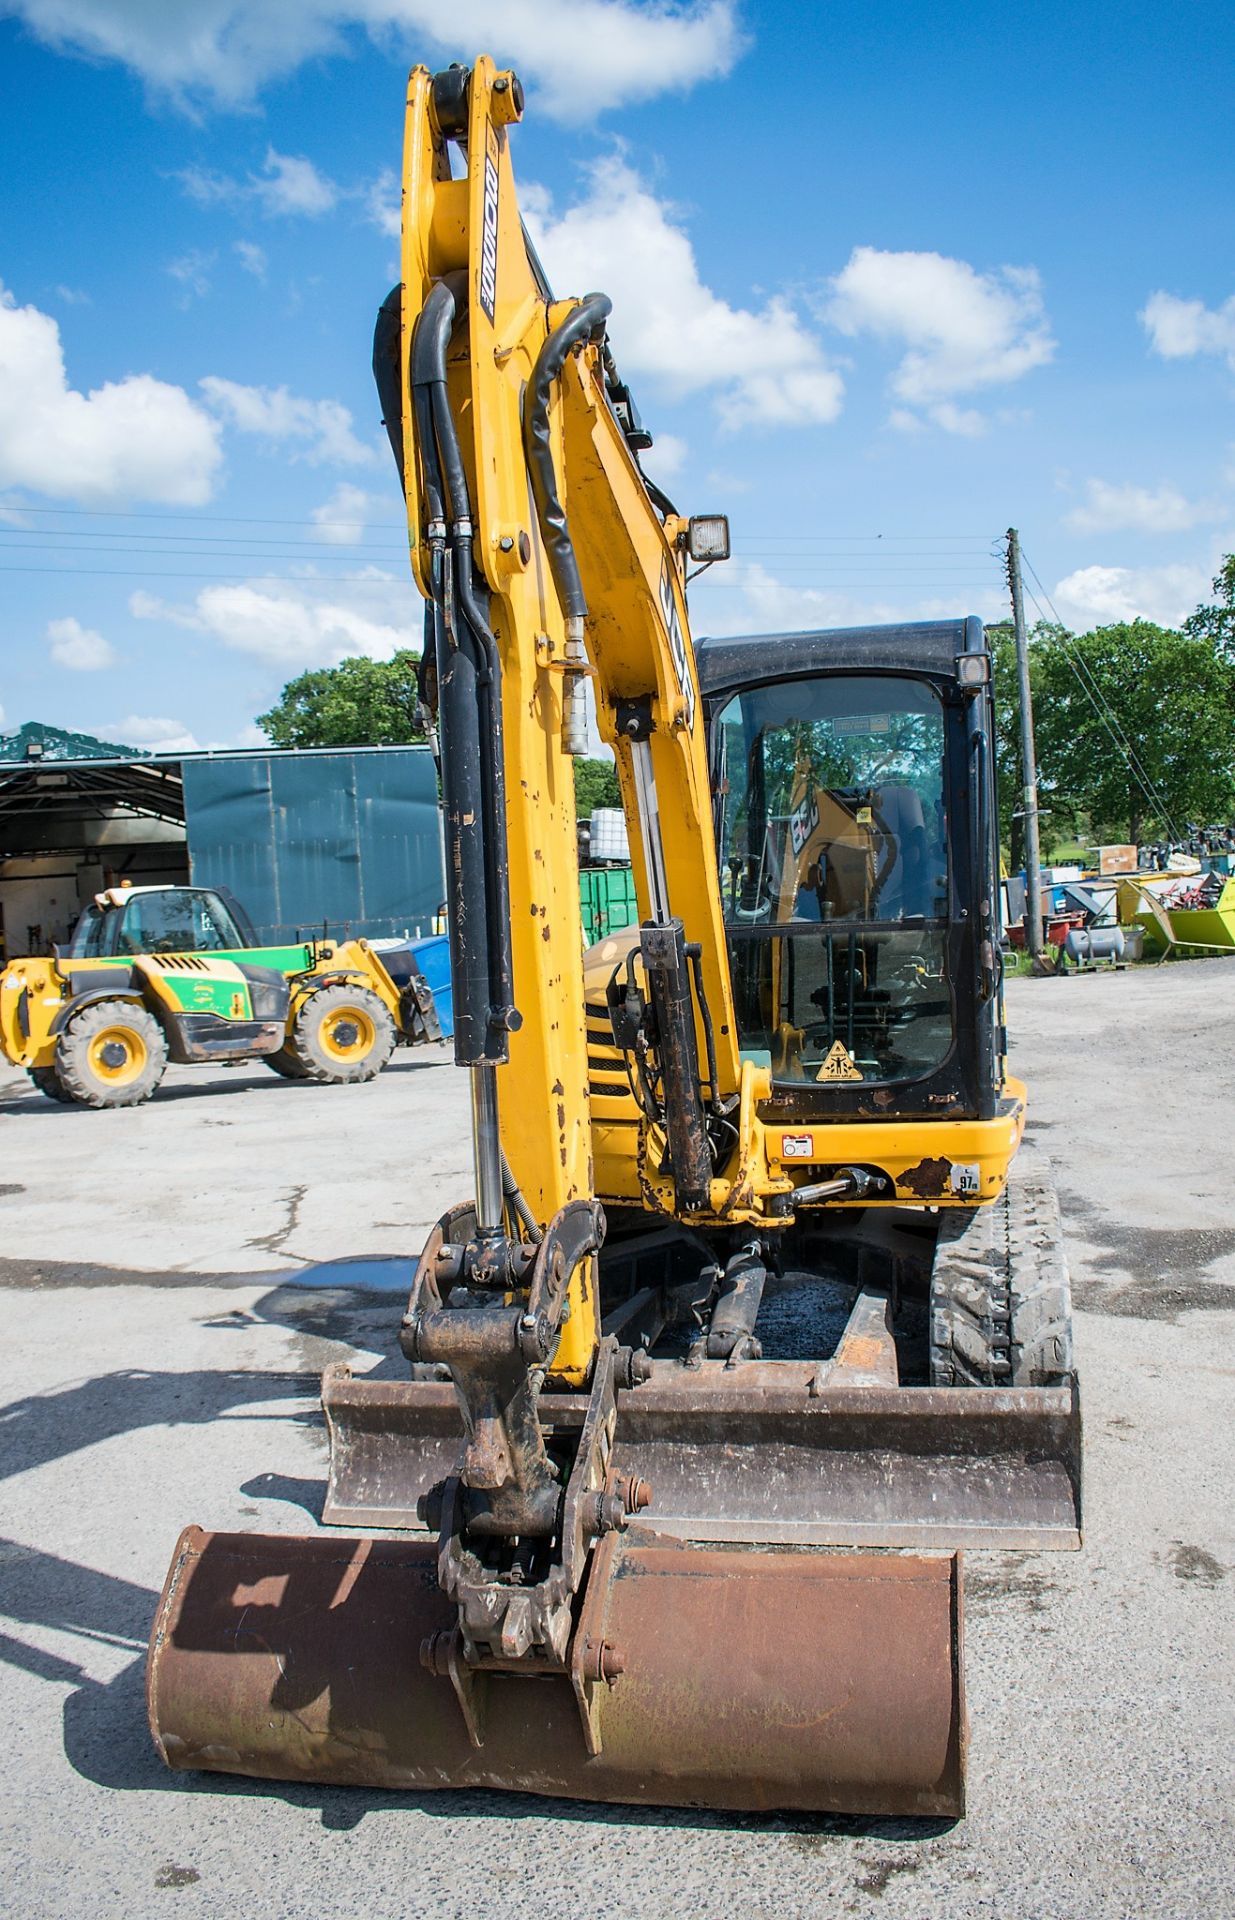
580 324
583 322
470 698
387 372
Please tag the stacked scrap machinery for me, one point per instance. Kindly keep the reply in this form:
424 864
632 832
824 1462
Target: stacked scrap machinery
751 1322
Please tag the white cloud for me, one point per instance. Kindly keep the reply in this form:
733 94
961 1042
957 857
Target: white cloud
341 520
1179 329
132 439
581 56
298 624
745 597
1097 596
192 271
79 648
74 296
288 183
154 733
291 184
384 203
765 367
665 458
1112 508
323 428
964 330
252 258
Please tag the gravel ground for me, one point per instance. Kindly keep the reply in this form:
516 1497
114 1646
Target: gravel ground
173 1278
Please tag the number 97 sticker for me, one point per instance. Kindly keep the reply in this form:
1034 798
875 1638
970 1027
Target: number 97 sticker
966 1177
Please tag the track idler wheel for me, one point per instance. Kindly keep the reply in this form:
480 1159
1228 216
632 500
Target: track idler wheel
727 1677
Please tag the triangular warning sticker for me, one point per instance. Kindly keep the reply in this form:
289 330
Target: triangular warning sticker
838 1065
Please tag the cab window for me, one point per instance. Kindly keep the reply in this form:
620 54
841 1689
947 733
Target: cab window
833 846
88 935
174 920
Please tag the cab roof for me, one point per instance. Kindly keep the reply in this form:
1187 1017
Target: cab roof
728 661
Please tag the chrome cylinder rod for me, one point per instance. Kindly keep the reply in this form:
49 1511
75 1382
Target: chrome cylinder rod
486 1150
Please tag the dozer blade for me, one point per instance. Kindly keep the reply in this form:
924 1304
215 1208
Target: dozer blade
749 1679
763 1453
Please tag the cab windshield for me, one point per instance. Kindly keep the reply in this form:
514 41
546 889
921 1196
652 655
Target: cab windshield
163 920
833 848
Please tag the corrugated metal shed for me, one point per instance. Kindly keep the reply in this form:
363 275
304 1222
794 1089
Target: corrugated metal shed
350 838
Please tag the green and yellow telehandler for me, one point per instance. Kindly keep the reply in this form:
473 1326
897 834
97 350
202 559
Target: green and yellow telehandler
172 973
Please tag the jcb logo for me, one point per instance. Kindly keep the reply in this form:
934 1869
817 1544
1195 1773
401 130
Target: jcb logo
677 641
803 821
488 241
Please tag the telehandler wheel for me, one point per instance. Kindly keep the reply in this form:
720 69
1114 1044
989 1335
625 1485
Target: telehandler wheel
285 1063
342 1034
47 1080
1001 1302
112 1054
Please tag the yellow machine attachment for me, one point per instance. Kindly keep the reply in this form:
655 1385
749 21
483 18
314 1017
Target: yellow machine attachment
750 1323
175 973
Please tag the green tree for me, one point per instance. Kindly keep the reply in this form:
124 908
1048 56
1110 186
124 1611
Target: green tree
360 703
596 785
1170 696
1216 622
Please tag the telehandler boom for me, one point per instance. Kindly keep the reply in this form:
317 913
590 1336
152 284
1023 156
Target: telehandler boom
750 1323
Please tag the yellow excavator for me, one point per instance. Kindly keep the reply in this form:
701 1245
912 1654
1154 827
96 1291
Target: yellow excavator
750 1323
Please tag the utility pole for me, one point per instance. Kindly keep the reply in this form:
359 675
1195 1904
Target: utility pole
1029 758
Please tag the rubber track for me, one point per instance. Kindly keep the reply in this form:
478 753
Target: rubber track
1001 1308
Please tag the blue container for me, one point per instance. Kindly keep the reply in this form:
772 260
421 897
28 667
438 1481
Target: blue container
433 958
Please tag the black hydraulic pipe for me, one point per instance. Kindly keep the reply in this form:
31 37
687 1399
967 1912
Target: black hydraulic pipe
492 766
388 370
581 323
469 711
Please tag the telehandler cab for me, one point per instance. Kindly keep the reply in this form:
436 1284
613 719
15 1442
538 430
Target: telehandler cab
751 1322
163 973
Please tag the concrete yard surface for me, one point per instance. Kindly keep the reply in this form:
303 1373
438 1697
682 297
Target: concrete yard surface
173 1278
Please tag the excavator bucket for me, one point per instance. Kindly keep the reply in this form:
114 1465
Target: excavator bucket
779 1631
738 1678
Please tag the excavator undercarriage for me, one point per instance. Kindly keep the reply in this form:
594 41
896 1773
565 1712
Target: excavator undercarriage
755 1319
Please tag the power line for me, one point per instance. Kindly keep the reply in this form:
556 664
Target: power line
326 580
1102 706
257 520
1082 668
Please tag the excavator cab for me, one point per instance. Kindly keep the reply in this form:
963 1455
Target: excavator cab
853 815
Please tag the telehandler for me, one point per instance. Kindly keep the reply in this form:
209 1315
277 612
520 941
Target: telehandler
750 1322
163 973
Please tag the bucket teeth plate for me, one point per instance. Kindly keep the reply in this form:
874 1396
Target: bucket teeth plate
753 1679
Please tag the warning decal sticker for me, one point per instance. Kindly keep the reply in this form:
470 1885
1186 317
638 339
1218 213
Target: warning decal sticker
839 1064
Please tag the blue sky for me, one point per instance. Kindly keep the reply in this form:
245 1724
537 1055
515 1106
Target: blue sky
886 280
